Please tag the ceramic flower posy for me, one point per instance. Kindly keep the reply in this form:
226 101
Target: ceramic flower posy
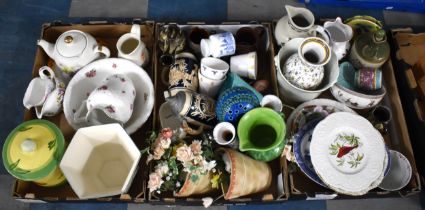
174 159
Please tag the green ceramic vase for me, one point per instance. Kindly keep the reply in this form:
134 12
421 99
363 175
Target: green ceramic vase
261 134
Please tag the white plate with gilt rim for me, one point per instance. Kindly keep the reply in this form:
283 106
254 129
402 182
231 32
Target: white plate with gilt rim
348 153
90 77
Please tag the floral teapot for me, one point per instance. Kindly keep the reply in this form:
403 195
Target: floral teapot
73 50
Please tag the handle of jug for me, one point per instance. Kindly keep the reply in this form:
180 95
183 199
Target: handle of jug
189 130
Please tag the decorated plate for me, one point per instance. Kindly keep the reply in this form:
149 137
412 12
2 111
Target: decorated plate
348 154
91 76
302 142
311 110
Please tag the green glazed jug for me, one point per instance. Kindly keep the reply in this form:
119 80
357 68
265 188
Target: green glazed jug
261 133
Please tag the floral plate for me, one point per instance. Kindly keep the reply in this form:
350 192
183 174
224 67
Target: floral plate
348 154
91 76
311 110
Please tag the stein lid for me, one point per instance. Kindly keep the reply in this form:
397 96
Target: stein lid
71 43
33 150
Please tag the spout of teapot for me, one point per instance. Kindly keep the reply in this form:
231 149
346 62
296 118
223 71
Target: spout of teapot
48 47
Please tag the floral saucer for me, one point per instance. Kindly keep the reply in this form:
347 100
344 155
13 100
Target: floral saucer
348 154
91 76
311 110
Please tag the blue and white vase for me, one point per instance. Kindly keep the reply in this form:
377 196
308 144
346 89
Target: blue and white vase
305 69
218 45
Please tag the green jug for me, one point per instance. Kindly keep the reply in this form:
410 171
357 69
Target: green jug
261 133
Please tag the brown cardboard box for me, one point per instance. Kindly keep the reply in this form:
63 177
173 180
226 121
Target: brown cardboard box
106 34
396 139
266 70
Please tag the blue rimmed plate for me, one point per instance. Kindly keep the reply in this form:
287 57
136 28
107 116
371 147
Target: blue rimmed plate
301 145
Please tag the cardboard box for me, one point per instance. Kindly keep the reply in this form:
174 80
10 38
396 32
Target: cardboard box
301 187
266 70
106 34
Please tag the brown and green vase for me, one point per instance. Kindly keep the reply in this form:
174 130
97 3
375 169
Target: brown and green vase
32 152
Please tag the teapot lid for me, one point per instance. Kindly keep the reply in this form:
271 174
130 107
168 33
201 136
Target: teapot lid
33 150
71 43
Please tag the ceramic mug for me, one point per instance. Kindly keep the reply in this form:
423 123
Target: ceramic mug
218 45
244 65
194 108
182 74
131 47
272 102
195 36
209 86
214 68
248 39
380 117
113 99
368 79
224 133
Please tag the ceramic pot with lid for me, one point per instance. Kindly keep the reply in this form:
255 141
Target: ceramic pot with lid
370 50
73 50
32 152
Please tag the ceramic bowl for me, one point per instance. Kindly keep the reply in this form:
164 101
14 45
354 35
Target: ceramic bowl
293 93
234 102
399 173
91 76
100 161
345 91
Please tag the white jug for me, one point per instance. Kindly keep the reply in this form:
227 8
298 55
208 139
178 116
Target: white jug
131 47
298 23
340 36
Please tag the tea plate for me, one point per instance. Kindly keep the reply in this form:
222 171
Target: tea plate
91 76
348 154
399 173
310 110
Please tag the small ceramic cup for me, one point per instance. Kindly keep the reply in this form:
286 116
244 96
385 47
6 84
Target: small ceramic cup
214 68
368 79
195 37
248 39
209 86
224 134
218 45
380 117
244 65
272 102
399 174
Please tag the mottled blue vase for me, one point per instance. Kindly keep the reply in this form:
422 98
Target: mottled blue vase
234 102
